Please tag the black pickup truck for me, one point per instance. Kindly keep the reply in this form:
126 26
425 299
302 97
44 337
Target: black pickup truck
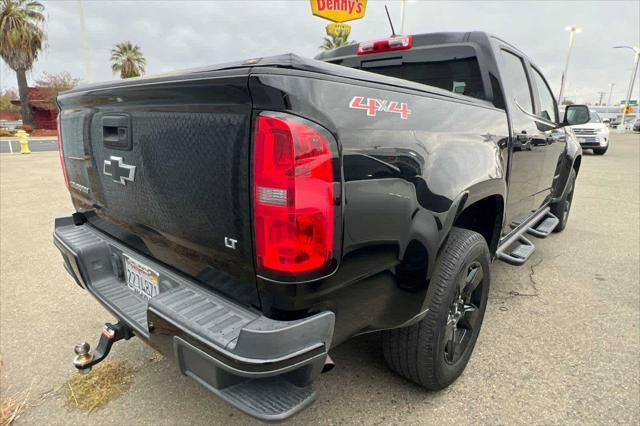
247 218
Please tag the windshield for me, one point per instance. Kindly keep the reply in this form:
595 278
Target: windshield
594 117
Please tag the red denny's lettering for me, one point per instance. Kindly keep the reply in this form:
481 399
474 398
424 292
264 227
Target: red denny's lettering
349 6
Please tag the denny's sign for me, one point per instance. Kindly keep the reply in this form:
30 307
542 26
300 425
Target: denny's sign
339 10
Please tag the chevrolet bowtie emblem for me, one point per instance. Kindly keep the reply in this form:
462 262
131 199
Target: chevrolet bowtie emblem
118 170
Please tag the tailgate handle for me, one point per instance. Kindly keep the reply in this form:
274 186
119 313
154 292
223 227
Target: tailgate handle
116 131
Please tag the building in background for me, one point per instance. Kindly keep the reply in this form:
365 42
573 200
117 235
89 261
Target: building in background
45 112
614 114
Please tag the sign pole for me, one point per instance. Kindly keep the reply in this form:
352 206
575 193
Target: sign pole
610 93
402 16
622 127
563 82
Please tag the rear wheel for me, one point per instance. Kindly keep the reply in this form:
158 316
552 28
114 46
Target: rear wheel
435 351
600 151
562 208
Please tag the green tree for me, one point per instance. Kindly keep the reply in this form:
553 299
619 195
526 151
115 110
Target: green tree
5 101
334 41
128 60
22 37
52 84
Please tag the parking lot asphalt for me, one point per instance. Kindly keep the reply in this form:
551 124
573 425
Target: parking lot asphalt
560 341
35 145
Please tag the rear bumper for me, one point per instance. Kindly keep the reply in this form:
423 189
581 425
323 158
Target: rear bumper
261 366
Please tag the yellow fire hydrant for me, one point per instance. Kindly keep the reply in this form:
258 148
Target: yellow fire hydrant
23 139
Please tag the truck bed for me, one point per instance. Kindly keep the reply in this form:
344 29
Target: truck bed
278 64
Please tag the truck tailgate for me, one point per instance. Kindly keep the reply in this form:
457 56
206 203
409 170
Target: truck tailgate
163 165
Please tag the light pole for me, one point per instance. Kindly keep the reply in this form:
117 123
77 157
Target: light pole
610 93
622 126
563 82
402 6
85 44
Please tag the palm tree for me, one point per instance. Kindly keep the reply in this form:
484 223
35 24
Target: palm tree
334 41
21 39
128 60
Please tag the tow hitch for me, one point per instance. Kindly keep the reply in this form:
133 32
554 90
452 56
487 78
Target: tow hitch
111 333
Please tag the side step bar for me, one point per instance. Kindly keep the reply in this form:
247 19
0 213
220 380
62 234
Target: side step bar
518 252
516 249
545 227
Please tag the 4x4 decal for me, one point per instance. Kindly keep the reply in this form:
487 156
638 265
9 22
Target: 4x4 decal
373 106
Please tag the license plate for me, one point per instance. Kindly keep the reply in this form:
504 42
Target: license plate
141 279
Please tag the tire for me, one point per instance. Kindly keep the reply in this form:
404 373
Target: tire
421 352
562 208
600 151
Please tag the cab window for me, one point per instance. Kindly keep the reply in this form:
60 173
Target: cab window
516 80
453 68
545 98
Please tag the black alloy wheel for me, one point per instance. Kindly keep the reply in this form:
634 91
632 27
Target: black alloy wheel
463 316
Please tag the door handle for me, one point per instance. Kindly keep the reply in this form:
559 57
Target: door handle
116 131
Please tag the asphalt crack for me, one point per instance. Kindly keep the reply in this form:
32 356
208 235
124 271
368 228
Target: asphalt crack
532 282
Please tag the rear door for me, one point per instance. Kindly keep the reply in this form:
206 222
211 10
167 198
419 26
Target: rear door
527 154
554 141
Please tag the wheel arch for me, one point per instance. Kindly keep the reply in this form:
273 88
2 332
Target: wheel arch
576 163
571 160
484 216
479 208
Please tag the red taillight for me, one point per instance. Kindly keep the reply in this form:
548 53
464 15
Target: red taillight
385 45
293 194
64 168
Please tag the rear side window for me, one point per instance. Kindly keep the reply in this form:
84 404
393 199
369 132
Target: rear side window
453 68
545 97
516 80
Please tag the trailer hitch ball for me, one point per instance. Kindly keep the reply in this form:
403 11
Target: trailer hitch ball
111 333
82 358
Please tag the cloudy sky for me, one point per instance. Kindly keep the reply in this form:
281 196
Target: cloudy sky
183 34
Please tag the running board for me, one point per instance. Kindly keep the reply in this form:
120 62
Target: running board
518 252
545 227
516 249
542 227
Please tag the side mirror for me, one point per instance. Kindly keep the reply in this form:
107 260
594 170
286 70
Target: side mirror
576 115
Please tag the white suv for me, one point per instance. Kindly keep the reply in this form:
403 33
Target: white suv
593 135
